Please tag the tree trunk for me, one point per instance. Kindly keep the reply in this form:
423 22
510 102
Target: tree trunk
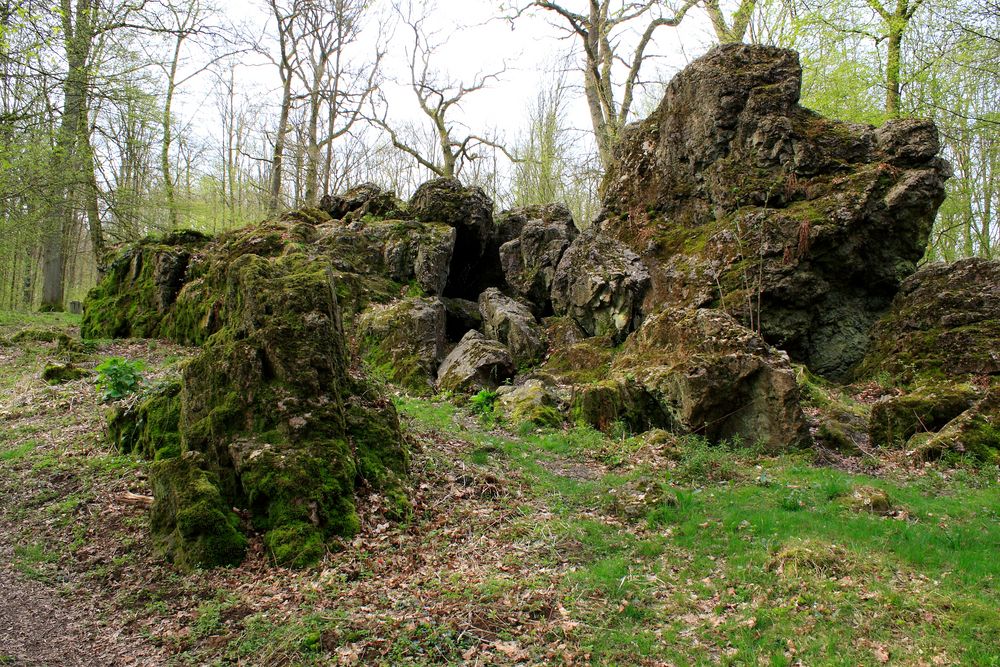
892 70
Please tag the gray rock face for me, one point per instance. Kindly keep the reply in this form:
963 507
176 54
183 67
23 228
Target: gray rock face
362 200
600 284
463 315
476 363
945 321
512 323
405 338
470 211
529 259
400 250
716 378
737 198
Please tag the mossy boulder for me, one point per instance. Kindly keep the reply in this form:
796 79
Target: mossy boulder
716 378
532 402
405 341
944 324
619 401
975 432
148 423
365 201
512 323
580 362
928 408
737 198
192 524
60 373
477 362
539 236
599 283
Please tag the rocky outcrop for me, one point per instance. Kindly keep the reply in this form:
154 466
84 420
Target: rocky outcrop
738 198
512 323
600 284
716 378
470 212
366 200
940 344
538 237
476 363
405 341
944 321
532 402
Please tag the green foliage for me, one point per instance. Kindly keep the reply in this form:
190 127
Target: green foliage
117 378
484 405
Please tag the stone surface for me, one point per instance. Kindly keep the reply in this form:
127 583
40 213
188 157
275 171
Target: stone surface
975 432
512 323
363 200
945 321
599 283
539 235
470 211
716 378
532 402
405 341
476 363
803 228
927 409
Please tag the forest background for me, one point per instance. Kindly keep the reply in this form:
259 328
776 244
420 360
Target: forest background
121 118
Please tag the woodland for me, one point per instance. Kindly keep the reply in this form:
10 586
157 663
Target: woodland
402 332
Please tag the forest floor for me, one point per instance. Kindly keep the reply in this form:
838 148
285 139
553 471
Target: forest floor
531 547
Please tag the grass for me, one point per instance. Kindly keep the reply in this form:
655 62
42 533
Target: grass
540 546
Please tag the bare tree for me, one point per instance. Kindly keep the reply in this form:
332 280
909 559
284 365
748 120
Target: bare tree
438 97
599 30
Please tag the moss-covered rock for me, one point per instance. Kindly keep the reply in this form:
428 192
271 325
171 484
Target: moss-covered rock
944 323
736 197
476 363
605 404
975 432
928 408
512 323
59 373
532 402
580 362
148 424
404 341
192 524
716 378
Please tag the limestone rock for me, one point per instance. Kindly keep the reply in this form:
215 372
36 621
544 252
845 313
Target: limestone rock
600 284
529 259
928 408
476 362
463 315
512 323
975 432
363 200
716 378
532 402
736 197
470 211
405 339
944 321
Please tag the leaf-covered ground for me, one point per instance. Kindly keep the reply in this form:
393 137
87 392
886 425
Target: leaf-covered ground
530 547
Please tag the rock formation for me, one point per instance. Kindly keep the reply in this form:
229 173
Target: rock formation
736 197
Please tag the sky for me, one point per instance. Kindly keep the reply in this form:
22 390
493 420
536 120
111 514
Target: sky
473 41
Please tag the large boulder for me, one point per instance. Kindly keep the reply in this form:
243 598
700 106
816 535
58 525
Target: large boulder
404 341
736 197
539 237
975 433
359 202
512 323
470 211
945 321
476 363
600 283
269 415
715 378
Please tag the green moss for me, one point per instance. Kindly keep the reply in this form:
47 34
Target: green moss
149 427
192 525
581 363
295 545
56 373
927 408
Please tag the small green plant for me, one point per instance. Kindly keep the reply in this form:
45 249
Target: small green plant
118 377
484 405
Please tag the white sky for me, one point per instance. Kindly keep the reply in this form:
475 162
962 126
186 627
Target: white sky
474 41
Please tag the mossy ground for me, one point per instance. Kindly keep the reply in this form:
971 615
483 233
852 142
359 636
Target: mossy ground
528 547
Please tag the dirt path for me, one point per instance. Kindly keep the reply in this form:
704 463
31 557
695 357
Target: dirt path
39 628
